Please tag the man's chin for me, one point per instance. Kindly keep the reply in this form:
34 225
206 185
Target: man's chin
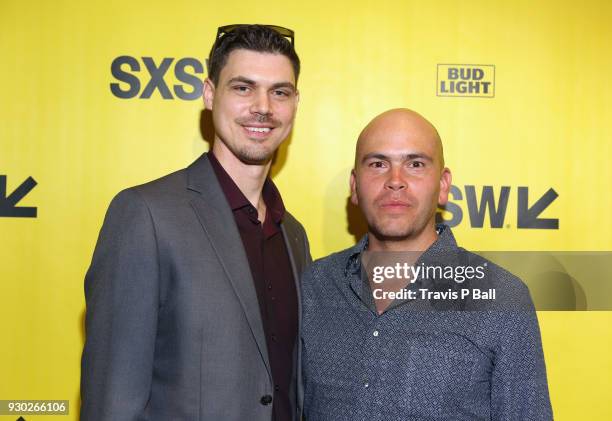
393 233
255 157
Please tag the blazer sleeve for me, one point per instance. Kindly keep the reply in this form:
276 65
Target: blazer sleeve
122 301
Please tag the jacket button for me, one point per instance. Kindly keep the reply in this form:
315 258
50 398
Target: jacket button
266 400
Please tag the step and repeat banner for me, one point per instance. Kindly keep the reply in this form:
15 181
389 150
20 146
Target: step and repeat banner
101 95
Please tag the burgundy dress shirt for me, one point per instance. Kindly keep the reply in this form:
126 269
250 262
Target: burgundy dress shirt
274 282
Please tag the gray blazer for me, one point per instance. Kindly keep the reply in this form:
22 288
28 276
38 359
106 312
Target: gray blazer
173 327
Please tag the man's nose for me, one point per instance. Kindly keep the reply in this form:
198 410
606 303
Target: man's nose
261 104
396 180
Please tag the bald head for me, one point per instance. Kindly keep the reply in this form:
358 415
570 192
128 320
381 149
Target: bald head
404 126
399 180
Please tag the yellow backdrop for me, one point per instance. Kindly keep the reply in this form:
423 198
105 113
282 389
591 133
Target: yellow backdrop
544 123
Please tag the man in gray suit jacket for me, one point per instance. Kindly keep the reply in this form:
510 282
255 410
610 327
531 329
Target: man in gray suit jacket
192 295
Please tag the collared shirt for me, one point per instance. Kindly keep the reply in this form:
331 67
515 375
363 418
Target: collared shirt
271 270
415 361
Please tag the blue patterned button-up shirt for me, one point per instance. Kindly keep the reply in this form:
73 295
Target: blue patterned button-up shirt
418 365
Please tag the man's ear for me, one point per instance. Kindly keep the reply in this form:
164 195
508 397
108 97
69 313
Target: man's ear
353 182
297 101
209 93
445 184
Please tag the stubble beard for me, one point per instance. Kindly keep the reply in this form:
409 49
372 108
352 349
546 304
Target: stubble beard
389 230
250 153
389 233
254 155
255 151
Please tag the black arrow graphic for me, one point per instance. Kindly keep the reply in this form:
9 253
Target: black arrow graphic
7 203
528 216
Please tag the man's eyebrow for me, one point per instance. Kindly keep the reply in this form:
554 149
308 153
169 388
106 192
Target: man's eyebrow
250 82
406 157
279 85
241 79
411 156
375 155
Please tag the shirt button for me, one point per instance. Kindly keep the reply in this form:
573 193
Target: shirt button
269 286
366 385
375 333
276 388
266 400
274 337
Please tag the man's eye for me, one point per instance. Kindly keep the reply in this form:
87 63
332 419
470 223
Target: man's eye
377 164
281 93
241 88
417 164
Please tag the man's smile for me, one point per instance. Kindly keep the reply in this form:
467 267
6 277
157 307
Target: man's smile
259 132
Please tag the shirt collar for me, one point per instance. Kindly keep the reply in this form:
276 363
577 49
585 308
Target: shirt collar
445 247
237 200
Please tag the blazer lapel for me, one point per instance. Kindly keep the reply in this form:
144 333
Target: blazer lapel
295 250
218 222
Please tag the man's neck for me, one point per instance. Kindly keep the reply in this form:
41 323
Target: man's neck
415 244
249 178
418 243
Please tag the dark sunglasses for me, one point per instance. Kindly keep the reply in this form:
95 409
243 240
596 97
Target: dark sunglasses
286 32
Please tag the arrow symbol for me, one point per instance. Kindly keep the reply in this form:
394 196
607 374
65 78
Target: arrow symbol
7 203
528 216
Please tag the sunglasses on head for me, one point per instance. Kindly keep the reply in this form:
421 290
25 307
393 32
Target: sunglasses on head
286 32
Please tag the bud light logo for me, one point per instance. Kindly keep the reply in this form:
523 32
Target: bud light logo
466 80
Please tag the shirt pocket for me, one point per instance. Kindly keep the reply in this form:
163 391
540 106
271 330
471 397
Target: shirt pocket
440 379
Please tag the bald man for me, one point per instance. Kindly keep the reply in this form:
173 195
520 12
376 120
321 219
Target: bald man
406 325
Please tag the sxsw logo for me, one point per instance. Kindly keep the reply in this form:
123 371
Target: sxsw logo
9 201
461 80
495 204
142 78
